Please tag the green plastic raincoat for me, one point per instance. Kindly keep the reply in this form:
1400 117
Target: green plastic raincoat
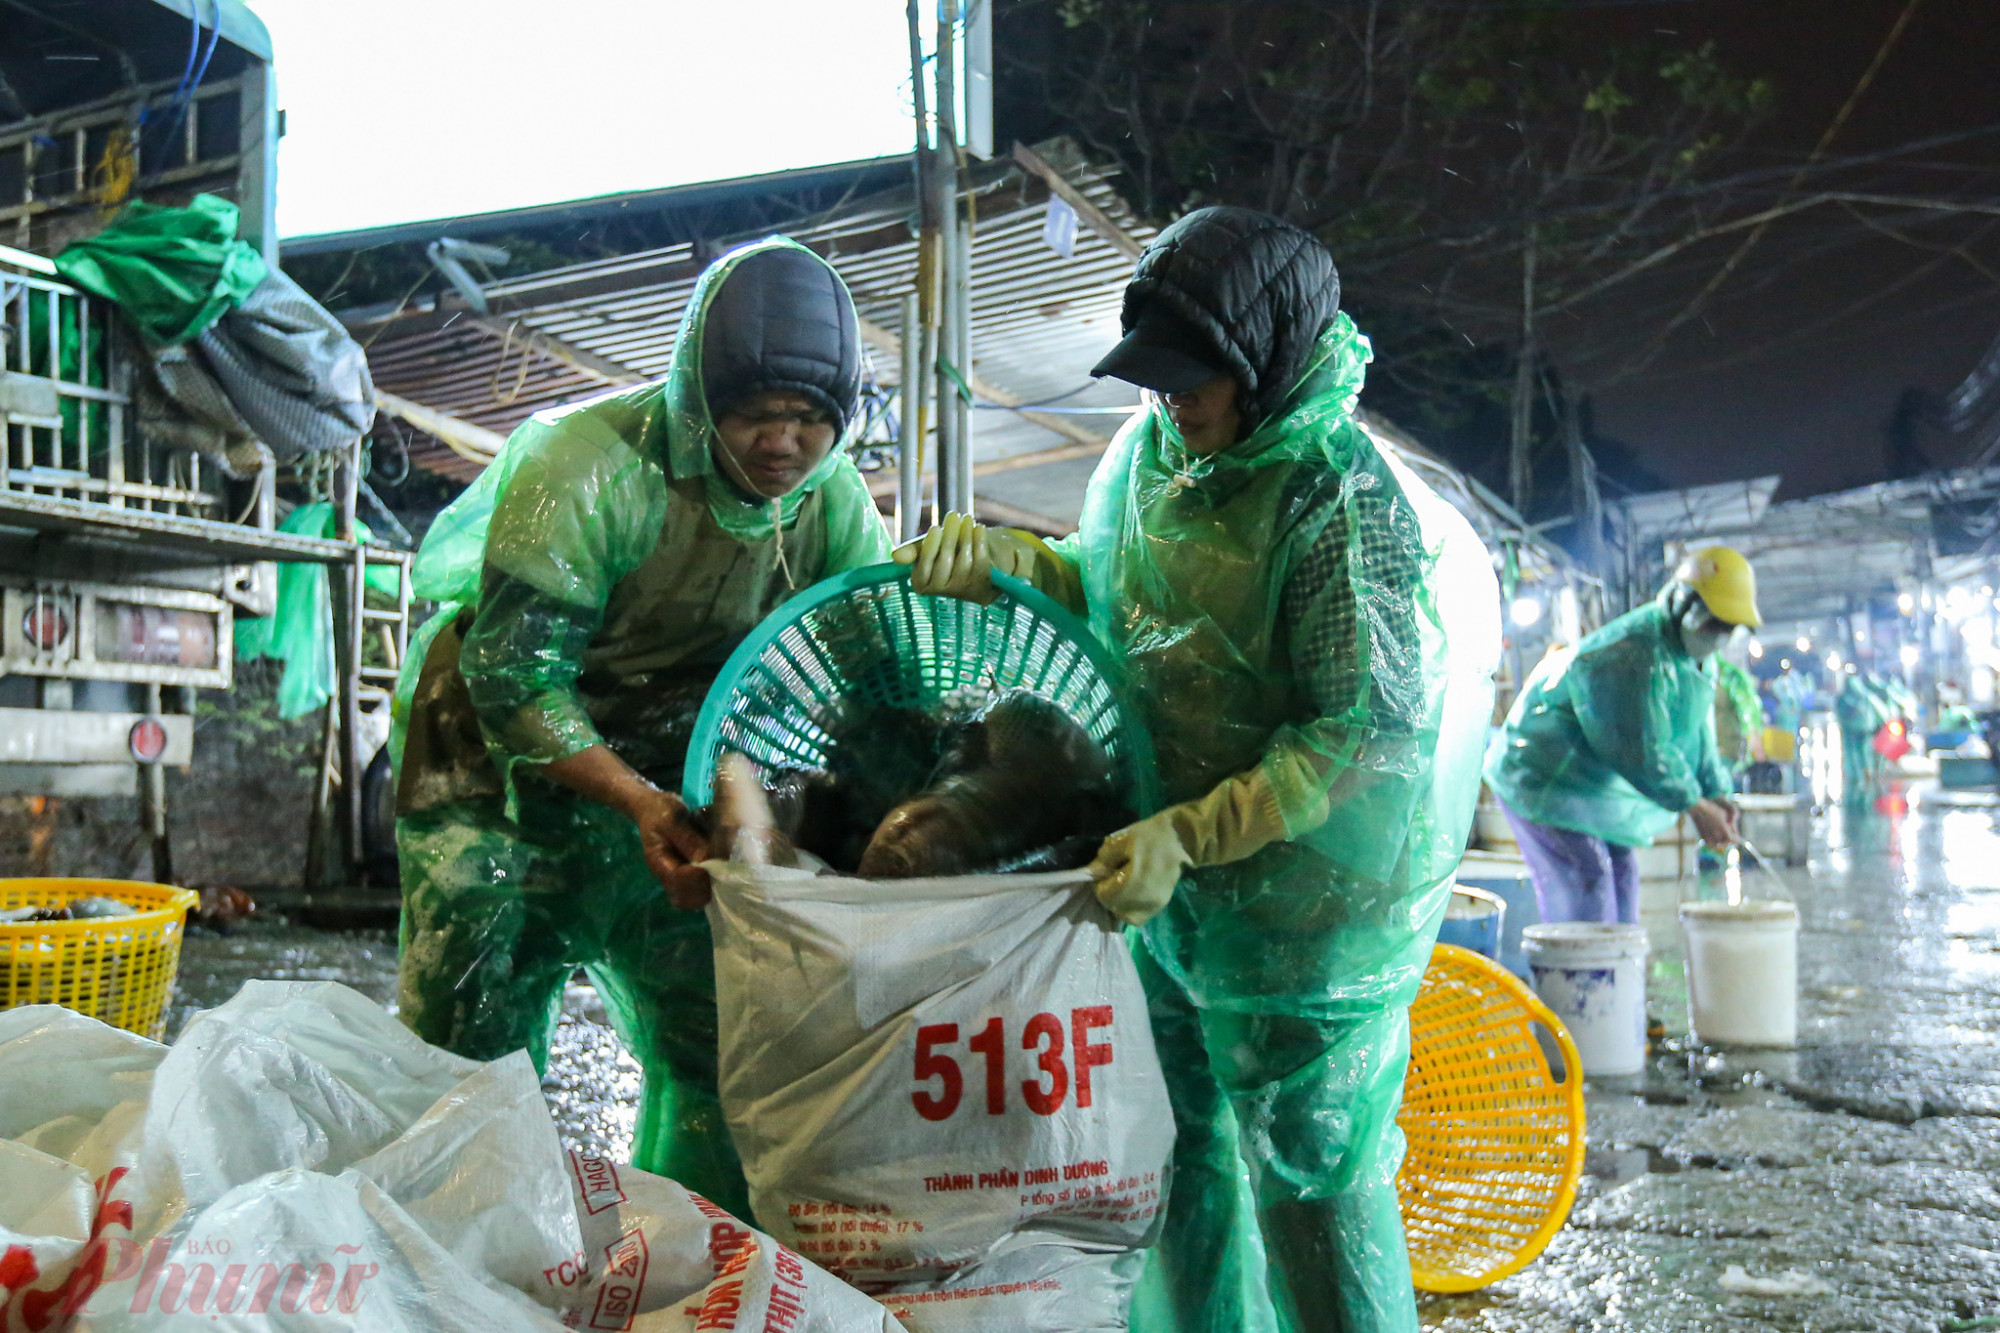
1739 717
594 579
1615 739
1863 707
1302 603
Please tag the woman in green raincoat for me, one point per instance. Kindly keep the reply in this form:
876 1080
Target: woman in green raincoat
594 579
1310 634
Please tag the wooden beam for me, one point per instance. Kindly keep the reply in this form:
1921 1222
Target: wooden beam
1093 217
1013 516
886 342
882 489
473 443
551 348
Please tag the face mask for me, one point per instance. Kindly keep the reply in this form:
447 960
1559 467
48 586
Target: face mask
1701 633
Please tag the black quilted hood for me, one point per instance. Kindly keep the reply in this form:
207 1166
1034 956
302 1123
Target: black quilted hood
1259 289
781 319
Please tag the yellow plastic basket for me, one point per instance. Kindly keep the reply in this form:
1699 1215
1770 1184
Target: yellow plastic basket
1495 1141
119 969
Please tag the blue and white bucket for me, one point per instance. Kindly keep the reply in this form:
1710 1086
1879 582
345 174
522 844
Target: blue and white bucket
1475 920
1507 879
1592 974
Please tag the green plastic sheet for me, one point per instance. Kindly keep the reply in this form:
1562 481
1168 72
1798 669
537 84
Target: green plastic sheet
592 580
1304 604
299 630
172 271
1615 739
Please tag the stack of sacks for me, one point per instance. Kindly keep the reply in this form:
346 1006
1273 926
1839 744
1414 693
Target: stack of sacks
297 1159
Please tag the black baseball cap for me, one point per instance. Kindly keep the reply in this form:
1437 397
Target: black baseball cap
1164 353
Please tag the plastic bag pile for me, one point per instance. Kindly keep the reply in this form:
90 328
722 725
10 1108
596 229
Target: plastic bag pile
298 1160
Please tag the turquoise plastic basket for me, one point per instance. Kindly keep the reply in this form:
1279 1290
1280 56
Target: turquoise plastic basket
866 635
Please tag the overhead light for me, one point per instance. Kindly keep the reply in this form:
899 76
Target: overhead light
1909 655
1784 664
1860 634
1525 611
1905 603
1805 644
1756 648
1833 661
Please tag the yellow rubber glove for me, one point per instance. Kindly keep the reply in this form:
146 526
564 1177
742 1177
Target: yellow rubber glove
959 556
1138 867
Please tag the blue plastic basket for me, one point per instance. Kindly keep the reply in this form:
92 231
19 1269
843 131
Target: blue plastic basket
865 635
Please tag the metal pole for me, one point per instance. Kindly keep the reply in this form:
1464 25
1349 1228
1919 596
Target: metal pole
348 629
944 178
156 803
961 309
929 258
910 439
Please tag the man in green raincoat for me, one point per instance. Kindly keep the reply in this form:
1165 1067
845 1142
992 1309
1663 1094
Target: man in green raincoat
1605 747
1310 634
1867 703
595 578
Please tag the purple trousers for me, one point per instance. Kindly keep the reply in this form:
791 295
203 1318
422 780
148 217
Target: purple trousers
1577 877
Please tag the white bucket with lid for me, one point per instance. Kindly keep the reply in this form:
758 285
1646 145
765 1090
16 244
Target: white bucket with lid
1593 975
1743 972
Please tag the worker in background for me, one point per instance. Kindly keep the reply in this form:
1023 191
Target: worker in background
1865 705
1606 747
1310 635
595 578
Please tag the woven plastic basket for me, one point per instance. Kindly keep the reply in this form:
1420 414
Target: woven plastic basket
865 636
119 969
1495 1140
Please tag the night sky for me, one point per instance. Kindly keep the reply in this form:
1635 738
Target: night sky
1802 358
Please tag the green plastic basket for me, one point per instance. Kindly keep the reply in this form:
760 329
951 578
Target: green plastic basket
866 635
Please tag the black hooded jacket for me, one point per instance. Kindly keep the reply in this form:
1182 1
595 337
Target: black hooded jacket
1258 288
783 320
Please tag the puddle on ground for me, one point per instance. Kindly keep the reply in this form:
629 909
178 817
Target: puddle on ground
1865 1159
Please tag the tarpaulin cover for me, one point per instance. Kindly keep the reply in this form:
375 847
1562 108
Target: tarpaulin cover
291 371
1616 739
172 271
945 1090
1301 604
297 1161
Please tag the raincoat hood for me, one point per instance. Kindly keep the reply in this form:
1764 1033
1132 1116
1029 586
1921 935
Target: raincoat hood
1313 422
1259 289
769 315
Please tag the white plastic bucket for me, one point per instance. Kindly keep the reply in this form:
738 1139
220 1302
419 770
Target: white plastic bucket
1593 975
1743 972
1475 920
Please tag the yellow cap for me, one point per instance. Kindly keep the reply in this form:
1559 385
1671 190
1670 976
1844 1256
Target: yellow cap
1724 581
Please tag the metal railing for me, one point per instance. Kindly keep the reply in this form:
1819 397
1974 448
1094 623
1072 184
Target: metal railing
66 398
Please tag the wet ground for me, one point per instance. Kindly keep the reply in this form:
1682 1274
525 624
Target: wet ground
592 1083
1859 1175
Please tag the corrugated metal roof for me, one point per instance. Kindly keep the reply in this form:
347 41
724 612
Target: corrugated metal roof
1039 320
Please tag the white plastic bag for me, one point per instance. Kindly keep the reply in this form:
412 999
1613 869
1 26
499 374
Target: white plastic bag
944 1090
299 1161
